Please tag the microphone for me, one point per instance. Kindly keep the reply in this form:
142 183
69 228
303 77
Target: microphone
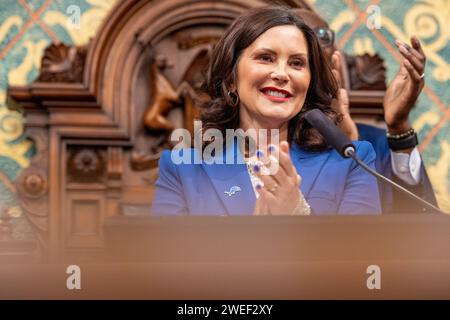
332 134
339 141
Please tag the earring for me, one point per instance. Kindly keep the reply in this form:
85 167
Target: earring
234 98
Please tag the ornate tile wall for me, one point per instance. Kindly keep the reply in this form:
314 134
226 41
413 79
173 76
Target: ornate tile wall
28 26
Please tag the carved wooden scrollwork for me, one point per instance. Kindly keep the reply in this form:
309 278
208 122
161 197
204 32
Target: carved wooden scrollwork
163 100
62 63
32 187
141 161
33 184
188 41
86 165
166 96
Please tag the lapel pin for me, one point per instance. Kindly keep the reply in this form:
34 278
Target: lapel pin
233 190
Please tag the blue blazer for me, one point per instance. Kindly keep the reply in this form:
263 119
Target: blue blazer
330 184
392 200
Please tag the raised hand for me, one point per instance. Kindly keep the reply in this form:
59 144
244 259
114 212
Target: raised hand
341 104
403 91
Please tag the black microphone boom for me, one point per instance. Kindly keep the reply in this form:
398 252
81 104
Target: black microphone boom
332 134
338 140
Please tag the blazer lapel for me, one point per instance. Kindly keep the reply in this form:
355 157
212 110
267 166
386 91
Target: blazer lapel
308 165
226 176
232 185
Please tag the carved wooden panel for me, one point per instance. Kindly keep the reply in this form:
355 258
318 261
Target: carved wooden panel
84 220
86 165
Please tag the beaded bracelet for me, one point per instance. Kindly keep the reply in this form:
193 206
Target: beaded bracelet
303 208
410 132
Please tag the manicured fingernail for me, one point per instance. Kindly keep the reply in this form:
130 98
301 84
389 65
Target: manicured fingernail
403 49
402 44
256 168
259 154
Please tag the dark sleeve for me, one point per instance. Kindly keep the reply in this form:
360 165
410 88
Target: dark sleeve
394 201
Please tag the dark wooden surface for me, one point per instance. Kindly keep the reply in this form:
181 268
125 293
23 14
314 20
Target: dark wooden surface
253 258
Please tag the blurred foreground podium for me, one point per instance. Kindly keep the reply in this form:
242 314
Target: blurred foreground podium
316 257
278 239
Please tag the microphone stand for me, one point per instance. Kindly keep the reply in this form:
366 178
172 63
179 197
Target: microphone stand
350 152
339 141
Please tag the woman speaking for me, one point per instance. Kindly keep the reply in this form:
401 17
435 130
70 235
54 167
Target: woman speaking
265 72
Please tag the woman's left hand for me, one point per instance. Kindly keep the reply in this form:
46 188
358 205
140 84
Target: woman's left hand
280 192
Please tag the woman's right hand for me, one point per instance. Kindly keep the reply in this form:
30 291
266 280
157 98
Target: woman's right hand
280 192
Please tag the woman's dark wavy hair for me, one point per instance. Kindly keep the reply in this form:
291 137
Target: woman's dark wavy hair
219 112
